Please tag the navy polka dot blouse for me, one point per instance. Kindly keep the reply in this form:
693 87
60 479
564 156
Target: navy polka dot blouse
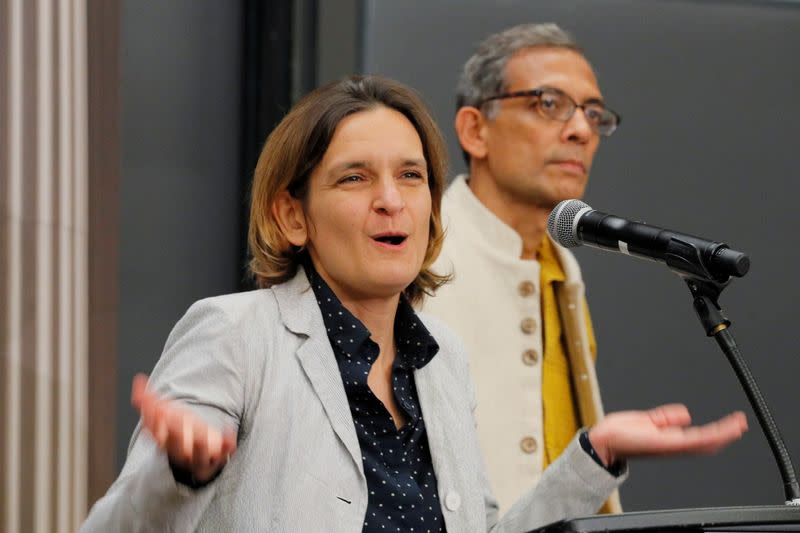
397 462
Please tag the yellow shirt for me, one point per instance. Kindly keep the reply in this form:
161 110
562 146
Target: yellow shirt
560 415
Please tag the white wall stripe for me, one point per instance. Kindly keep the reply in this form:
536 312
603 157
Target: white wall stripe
60 362
81 273
65 352
44 262
14 309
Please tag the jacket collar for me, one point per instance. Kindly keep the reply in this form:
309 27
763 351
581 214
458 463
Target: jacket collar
485 225
301 315
298 306
498 235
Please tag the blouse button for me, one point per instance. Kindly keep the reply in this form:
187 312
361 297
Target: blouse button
528 445
529 357
452 501
528 325
526 288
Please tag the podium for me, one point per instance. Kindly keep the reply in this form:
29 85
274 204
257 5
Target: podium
766 518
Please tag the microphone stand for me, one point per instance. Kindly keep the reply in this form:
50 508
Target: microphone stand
706 293
685 259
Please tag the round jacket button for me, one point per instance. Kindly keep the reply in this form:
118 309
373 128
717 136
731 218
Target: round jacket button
529 357
526 288
528 325
452 501
528 445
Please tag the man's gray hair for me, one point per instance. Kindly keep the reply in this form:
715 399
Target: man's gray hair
484 72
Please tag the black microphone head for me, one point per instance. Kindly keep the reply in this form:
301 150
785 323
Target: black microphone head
561 222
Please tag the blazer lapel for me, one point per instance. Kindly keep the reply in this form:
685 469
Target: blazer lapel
301 315
444 425
436 405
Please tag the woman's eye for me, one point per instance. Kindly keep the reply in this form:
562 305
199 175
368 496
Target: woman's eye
413 174
350 179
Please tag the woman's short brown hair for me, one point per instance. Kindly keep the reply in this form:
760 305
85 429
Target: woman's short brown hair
296 146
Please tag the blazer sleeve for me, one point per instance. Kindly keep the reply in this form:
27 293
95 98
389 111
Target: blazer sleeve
201 366
572 486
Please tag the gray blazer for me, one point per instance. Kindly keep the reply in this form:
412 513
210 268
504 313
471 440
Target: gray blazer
261 363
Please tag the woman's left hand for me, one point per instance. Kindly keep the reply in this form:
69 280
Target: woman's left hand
664 430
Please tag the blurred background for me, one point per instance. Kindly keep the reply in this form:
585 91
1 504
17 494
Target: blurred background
129 130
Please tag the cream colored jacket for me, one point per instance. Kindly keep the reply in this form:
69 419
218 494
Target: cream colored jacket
491 306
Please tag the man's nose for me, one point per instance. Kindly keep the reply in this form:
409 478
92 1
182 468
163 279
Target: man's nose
577 128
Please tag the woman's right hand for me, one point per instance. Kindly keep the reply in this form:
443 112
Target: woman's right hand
190 443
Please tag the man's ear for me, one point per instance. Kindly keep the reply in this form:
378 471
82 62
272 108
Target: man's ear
470 128
288 211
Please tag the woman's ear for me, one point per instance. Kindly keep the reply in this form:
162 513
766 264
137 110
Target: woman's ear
288 211
469 125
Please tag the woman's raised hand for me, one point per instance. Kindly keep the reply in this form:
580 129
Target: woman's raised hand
664 430
190 443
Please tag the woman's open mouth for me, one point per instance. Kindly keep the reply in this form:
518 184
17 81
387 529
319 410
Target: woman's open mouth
390 240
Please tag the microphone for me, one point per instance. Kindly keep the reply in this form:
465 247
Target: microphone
573 223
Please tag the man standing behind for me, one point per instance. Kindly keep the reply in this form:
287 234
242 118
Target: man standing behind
529 120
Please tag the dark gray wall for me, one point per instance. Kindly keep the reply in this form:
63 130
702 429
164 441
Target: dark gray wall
339 39
708 145
180 193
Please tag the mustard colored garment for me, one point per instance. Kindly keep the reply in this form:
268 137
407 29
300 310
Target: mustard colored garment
560 415
561 418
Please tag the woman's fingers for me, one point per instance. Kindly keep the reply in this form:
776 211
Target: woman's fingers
719 433
214 446
148 404
188 441
175 444
708 437
148 412
200 446
137 389
228 442
159 428
671 414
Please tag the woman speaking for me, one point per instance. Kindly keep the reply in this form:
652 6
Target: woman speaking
322 401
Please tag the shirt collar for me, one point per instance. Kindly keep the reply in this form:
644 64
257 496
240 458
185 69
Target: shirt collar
415 345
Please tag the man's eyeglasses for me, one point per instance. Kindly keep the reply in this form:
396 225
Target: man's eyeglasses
558 105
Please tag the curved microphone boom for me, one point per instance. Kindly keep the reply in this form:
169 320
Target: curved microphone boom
573 223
